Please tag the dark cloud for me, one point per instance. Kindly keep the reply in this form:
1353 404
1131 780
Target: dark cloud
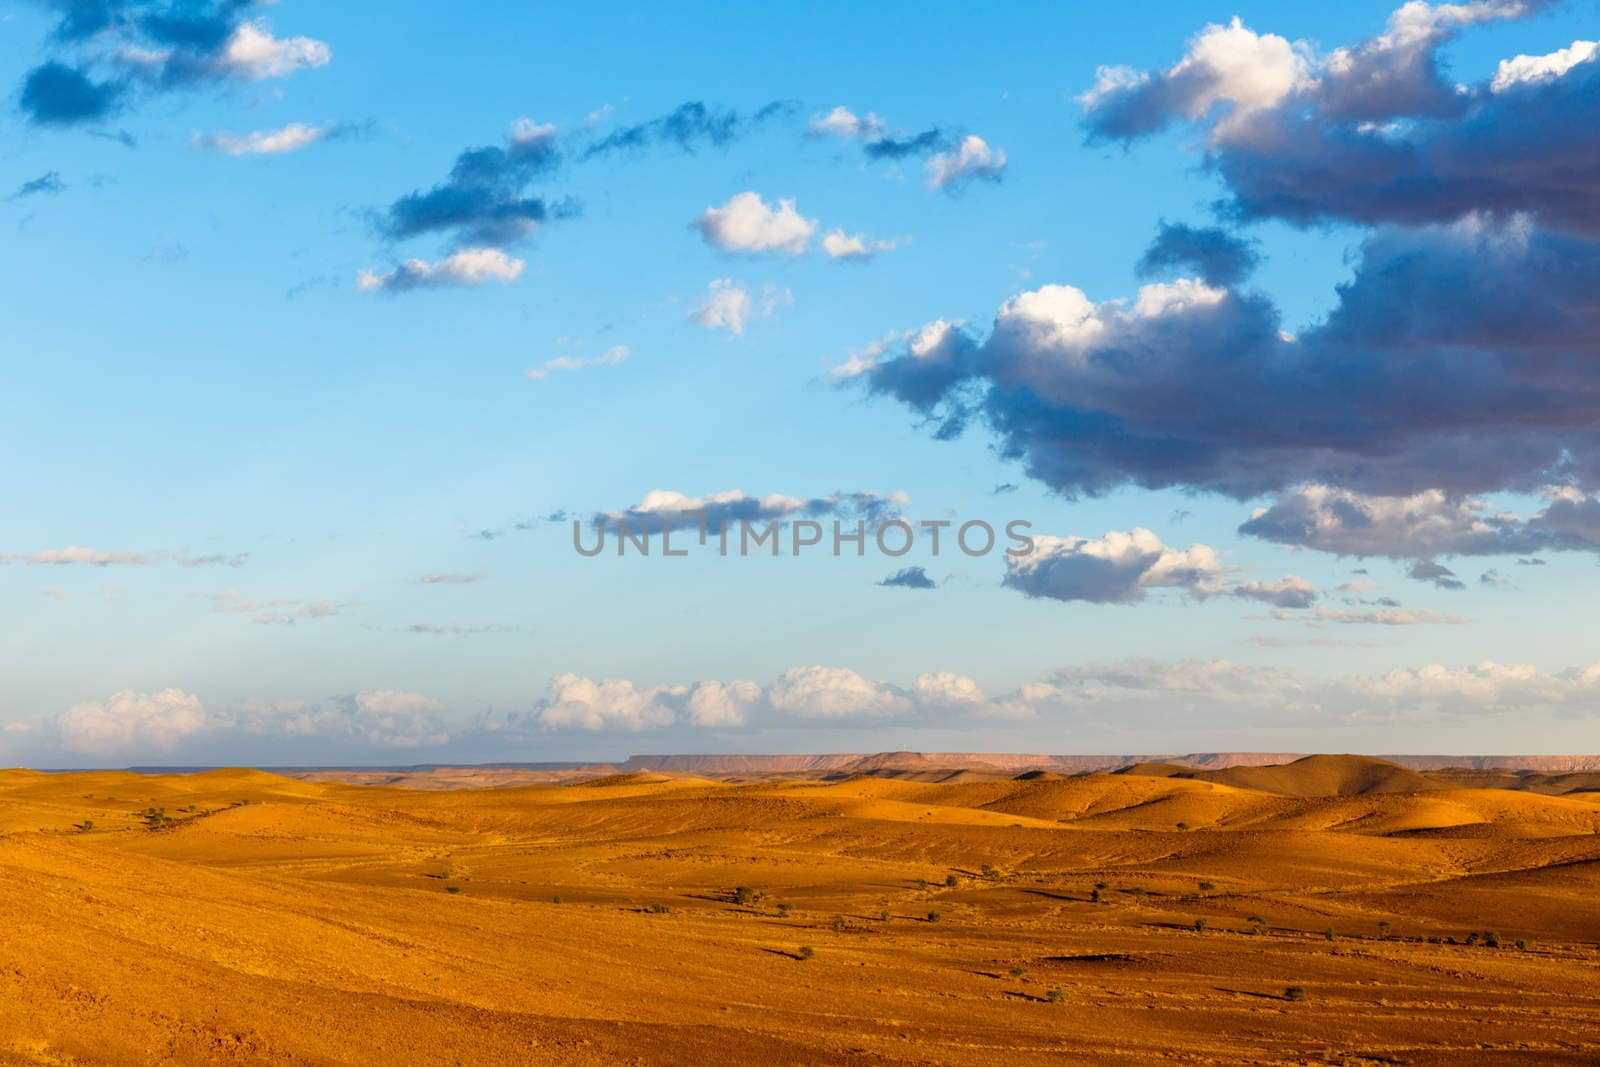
46 184
54 94
1005 487
921 144
1425 525
909 578
111 48
1214 255
688 127
484 200
1378 133
1424 570
1458 357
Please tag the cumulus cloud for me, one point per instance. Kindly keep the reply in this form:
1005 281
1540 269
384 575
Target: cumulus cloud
1119 568
688 127
290 138
1424 525
729 305
746 223
484 201
909 578
128 720
1436 370
608 705
609 358
1376 132
877 140
1426 570
661 508
854 247
834 693
470 267
1290 591
146 46
970 160
1217 257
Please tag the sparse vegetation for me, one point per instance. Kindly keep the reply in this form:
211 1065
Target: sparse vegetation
1017 972
989 872
1329 934
951 881
1183 826
1094 895
1055 995
452 889
745 895
1296 992
807 952
1200 926
1522 945
556 899
1102 885
1384 926
783 910
659 908
1206 887
933 916
883 916
1491 939
838 923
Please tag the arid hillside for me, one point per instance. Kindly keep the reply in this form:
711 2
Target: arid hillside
1335 909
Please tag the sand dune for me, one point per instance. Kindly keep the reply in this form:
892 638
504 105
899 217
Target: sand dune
240 916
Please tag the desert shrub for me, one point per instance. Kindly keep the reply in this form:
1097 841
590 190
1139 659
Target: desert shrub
1472 938
1183 826
1295 992
1135 890
883 916
1102 885
87 824
989 872
1206 887
838 924
1491 939
922 883
744 895
951 881
1522 946
1384 926
933 916
783 910
660 909
1329 934
452 889
1017 972
807 952
1256 929
1094 895
1256 920
1200 926
1055 995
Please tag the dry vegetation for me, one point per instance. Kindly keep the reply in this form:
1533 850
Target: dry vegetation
1336 909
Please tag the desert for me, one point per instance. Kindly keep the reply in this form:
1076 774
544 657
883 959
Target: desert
1332 909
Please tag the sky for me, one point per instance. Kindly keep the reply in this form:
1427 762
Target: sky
328 339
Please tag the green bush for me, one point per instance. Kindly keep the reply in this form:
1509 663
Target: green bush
1206 887
933 916
660 909
745 895
452 889
1491 939
1200 926
1329 934
783 910
838 924
1295 992
951 881
1017 972
883 916
807 952
1055 995
1522 946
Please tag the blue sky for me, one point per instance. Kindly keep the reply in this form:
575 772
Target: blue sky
242 432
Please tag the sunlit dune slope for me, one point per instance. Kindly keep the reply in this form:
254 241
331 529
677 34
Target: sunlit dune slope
236 916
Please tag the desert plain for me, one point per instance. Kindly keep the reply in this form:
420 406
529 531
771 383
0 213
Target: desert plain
1333 909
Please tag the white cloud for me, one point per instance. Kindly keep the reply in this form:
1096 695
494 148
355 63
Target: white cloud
608 705
839 245
723 704
254 53
77 554
747 224
834 693
469 267
290 138
128 721
609 358
842 122
1385 616
971 159
1115 569
729 306
1523 69
269 612
1290 591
